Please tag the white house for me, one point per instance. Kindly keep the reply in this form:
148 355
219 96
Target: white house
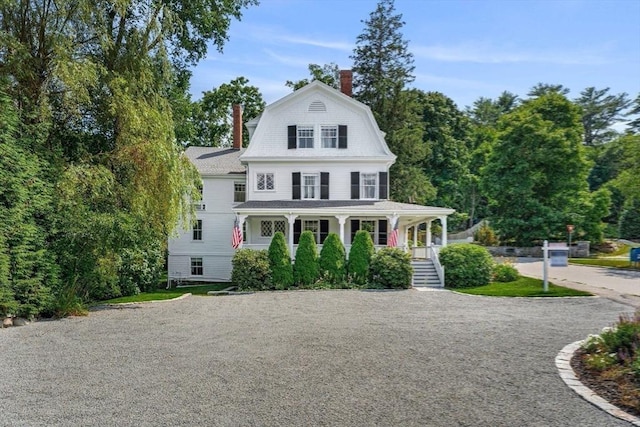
316 161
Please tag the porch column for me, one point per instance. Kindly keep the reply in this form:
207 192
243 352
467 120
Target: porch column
429 234
406 239
415 235
443 221
291 218
341 220
241 220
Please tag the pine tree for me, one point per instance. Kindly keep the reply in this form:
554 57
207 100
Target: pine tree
280 262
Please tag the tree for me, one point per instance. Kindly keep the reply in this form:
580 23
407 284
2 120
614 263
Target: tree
599 112
328 74
333 261
360 257
536 173
634 125
541 89
280 262
629 226
212 115
305 268
383 67
486 111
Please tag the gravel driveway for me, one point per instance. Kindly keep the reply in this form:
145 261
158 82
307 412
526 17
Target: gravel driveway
313 358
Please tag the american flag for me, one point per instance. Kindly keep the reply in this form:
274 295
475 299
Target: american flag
392 242
236 238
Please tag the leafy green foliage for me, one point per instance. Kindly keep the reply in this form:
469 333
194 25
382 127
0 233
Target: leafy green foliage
615 346
630 221
140 270
535 177
466 265
390 268
486 236
328 74
333 261
212 115
504 273
280 262
251 271
360 256
306 269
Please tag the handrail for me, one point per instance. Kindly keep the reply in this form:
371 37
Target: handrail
433 255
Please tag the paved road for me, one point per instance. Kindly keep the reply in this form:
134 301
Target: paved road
618 284
315 358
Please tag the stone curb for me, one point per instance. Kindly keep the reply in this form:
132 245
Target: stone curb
563 363
121 304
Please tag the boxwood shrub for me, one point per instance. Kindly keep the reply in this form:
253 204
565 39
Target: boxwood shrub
466 265
251 270
390 268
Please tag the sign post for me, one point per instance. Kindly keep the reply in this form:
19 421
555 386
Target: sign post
545 268
570 229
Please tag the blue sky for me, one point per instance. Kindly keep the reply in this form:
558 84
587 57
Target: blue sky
463 48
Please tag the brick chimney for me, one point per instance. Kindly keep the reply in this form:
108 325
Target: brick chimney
346 82
237 126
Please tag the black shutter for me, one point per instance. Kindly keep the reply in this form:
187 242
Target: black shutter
292 136
324 229
355 185
295 187
324 185
383 186
342 136
382 232
355 226
297 229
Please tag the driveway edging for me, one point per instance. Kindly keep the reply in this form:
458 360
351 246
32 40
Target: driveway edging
563 363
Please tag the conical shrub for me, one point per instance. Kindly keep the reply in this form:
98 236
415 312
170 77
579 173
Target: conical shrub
305 268
360 257
333 260
280 262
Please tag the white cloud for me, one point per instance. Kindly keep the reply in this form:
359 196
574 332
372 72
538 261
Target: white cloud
291 61
347 47
431 79
486 54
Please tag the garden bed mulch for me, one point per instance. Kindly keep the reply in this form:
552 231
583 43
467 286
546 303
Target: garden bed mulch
623 391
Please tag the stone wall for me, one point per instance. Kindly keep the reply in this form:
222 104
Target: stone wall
578 250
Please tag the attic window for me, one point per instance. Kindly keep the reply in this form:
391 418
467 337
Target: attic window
317 107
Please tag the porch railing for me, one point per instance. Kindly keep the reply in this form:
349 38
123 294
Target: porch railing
433 252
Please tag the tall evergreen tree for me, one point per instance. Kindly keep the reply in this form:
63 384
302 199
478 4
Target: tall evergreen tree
600 110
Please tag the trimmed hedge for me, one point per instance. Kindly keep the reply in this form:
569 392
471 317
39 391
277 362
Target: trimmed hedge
251 270
360 257
333 261
306 269
466 265
280 262
390 268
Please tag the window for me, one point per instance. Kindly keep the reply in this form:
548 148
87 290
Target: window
329 136
305 136
197 230
240 192
268 228
313 226
368 181
310 187
370 226
376 228
196 267
264 181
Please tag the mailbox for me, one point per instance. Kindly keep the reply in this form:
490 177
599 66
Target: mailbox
558 255
634 255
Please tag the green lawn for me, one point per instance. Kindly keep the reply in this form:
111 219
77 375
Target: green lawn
603 262
162 294
523 287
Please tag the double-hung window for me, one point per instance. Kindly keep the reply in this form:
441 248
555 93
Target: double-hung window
368 182
265 181
314 227
239 192
310 186
197 230
196 267
329 136
305 136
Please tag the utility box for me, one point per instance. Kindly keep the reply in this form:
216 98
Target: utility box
634 255
558 255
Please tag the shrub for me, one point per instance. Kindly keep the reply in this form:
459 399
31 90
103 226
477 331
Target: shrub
505 273
140 270
280 262
629 225
486 236
390 268
616 346
466 265
333 260
305 268
360 257
251 270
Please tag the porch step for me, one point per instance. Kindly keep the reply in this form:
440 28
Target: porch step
425 275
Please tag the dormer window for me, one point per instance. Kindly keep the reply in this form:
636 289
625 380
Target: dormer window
305 136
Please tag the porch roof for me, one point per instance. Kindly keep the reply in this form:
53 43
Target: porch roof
339 207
